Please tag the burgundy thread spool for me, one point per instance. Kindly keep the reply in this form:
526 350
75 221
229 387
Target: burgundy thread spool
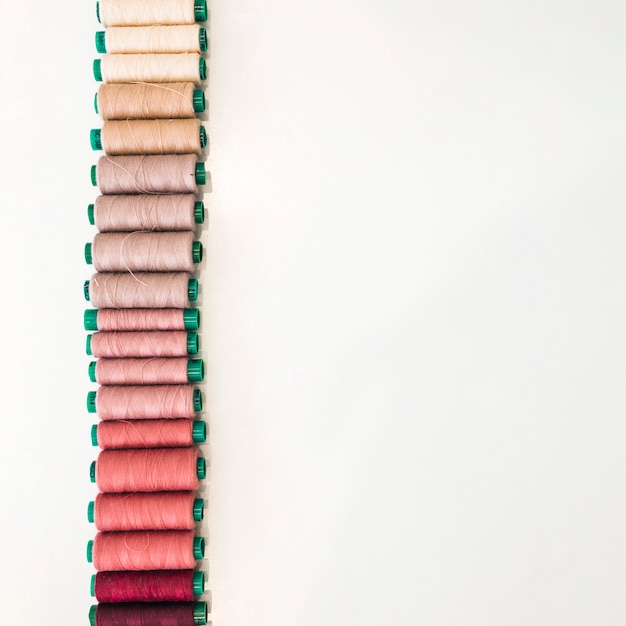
148 470
149 371
148 586
112 402
168 510
149 614
124 434
128 320
145 550
113 344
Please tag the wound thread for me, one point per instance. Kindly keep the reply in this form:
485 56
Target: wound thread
151 68
125 434
147 586
149 614
142 319
146 12
149 371
111 344
153 39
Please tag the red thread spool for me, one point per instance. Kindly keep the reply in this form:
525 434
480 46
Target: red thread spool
112 344
151 469
149 614
121 434
152 371
148 586
141 319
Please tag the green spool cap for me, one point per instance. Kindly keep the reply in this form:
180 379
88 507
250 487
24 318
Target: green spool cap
92 615
200 11
198 583
95 138
197 400
90 319
198 432
101 44
198 212
97 70
199 103
90 551
92 472
92 586
198 512
92 371
88 255
200 173
86 290
88 346
203 40
94 176
90 511
200 467
98 11
91 214
200 613
198 548
196 251
91 401
192 343
203 137
195 370
94 435
192 289
95 102
191 319
202 63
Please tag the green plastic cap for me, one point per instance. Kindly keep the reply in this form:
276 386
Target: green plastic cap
88 344
88 255
101 45
92 586
94 176
201 467
203 40
192 289
200 11
200 173
197 400
199 102
202 62
198 212
198 583
90 319
94 435
92 371
92 472
198 548
195 370
191 319
200 613
86 290
92 615
90 512
91 401
198 510
203 137
196 251
192 343
95 102
91 214
98 11
198 432
97 70
95 138
90 551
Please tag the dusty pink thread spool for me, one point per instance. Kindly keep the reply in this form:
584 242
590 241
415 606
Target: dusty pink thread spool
149 371
172 343
124 434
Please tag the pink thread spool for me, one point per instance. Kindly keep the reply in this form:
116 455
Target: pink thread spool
122 434
144 252
151 371
145 402
141 290
113 344
148 470
128 320
145 550
174 510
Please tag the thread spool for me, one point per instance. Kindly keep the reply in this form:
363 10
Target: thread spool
151 68
141 319
149 614
121 101
148 586
141 290
148 174
161 136
174 251
174 510
125 213
153 469
112 344
145 402
150 371
124 434
148 12
152 39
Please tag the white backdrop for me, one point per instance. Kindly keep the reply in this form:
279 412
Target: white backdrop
413 305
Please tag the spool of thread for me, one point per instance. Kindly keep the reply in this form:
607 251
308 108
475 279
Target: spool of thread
122 101
141 290
145 402
148 174
149 614
162 136
151 371
151 68
152 469
152 39
112 344
124 434
174 251
174 510
148 586
141 319
148 12
125 213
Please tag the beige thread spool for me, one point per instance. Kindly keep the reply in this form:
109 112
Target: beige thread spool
147 12
152 39
151 68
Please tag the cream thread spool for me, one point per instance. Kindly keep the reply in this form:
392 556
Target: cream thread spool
151 68
148 12
152 39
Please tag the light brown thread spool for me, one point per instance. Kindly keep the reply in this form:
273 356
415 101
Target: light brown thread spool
109 344
175 136
168 173
157 39
144 252
136 371
120 101
141 319
151 68
146 402
146 12
113 213
123 434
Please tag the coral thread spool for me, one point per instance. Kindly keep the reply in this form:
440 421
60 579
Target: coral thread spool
151 68
150 371
114 344
147 12
140 320
149 614
152 39
122 434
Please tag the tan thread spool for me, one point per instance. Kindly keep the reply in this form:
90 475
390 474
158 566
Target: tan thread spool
145 101
161 136
151 68
114 213
146 12
153 39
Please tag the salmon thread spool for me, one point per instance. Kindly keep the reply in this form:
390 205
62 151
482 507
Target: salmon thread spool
152 39
124 434
186 67
138 320
149 614
114 344
149 371
148 12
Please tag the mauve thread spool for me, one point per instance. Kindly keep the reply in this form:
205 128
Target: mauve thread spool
145 550
141 319
151 68
149 614
123 434
148 586
141 290
149 371
125 213
122 101
161 136
173 510
151 173
148 12
152 469
113 344
152 39
144 252
145 402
